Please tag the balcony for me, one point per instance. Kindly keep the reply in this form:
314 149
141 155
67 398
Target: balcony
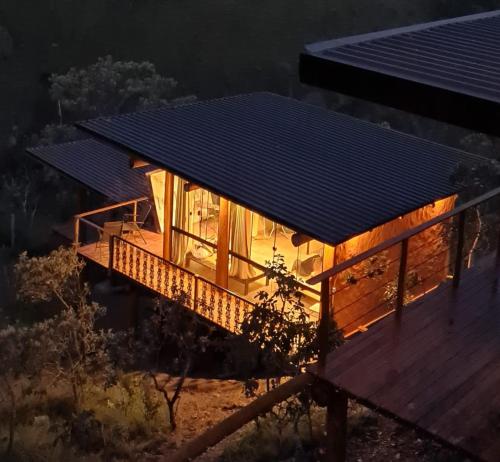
138 256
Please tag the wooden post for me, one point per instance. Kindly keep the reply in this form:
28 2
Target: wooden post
135 211
76 231
82 207
328 257
222 266
324 323
460 248
111 254
336 427
403 260
168 202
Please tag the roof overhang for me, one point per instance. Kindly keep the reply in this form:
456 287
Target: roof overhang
325 175
322 65
97 166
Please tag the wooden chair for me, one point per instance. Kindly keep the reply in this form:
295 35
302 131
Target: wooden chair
134 222
110 228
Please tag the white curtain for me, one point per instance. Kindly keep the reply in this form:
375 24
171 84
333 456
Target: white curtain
240 224
183 208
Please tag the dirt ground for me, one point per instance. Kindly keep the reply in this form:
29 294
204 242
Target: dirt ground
372 437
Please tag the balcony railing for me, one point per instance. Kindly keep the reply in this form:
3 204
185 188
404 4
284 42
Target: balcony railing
389 276
215 303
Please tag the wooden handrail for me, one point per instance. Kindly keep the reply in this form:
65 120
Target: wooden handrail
111 207
235 421
118 238
238 256
405 235
180 268
90 223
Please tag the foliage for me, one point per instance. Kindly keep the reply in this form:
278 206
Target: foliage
279 326
110 87
482 222
78 352
284 341
172 331
56 133
54 276
22 354
369 269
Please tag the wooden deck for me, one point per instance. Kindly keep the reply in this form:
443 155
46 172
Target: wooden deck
99 253
438 369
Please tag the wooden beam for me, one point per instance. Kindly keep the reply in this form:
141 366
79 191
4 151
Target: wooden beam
222 267
336 427
235 421
136 162
168 206
298 239
111 207
188 187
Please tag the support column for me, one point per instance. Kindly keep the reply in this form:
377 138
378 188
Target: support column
328 257
82 206
168 206
336 427
324 323
222 267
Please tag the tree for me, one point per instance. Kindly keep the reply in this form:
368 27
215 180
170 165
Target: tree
111 87
280 328
474 181
78 352
22 358
173 337
284 341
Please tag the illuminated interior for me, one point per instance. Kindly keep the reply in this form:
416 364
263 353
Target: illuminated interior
254 240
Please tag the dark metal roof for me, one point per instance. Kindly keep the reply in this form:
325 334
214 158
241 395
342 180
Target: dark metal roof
459 56
325 174
99 166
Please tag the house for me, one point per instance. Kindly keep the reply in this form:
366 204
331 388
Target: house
445 70
434 365
233 182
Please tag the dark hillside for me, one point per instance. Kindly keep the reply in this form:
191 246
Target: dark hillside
212 48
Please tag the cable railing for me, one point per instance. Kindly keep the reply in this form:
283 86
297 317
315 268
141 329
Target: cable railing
401 270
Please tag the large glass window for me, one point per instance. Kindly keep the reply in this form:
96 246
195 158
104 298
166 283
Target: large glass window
195 224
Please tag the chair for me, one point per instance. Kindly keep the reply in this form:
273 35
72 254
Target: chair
134 222
307 267
110 228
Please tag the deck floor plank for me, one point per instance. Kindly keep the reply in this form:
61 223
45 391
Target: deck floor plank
439 369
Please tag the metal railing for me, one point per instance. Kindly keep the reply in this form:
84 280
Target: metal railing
389 276
83 218
219 305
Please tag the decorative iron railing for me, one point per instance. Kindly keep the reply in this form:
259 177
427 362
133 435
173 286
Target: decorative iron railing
219 305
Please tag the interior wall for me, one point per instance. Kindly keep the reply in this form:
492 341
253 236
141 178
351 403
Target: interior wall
366 291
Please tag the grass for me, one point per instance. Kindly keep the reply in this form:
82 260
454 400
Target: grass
122 422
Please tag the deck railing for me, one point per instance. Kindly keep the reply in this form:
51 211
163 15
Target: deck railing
389 276
84 218
215 303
